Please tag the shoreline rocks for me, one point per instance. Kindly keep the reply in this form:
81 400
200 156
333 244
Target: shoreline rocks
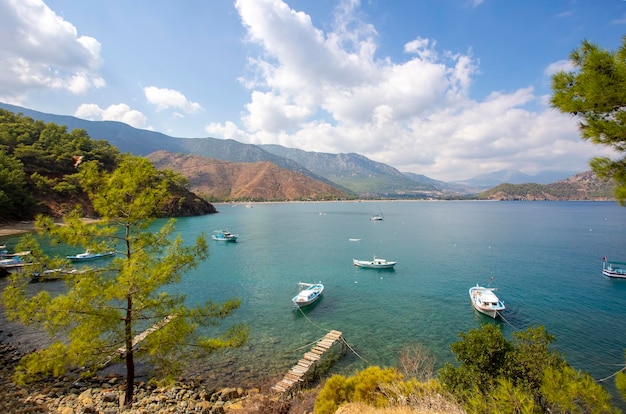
105 395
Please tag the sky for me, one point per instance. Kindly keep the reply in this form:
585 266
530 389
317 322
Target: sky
446 88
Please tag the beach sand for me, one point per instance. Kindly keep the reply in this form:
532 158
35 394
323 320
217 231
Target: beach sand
16 227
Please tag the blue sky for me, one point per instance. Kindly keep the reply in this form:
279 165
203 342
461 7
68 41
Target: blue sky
446 88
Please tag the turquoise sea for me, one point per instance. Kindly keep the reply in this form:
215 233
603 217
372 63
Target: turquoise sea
544 257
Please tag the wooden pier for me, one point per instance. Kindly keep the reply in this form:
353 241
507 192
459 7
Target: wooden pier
297 373
138 338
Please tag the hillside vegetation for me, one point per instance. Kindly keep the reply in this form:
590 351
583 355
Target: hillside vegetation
38 166
583 186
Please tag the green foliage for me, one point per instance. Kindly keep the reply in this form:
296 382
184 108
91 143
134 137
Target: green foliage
104 309
366 386
504 398
38 161
620 383
596 93
522 375
334 393
570 391
382 388
14 195
482 353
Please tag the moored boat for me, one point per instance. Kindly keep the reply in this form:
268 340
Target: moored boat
309 293
375 263
485 301
224 235
13 261
88 255
613 269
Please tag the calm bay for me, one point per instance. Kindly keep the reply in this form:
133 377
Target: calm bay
545 258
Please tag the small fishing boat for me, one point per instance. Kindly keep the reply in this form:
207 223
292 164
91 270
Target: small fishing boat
13 261
377 217
52 274
485 301
309 293
88 255
613 269
375 263
224 235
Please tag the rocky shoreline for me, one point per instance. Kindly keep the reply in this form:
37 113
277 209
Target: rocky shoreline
105 395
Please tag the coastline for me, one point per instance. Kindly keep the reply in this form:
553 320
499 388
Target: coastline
11 228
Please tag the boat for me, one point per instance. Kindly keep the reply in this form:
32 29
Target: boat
309 293
52 274
87 255
613 269
485 301
378 217
375 263
224 235
13 261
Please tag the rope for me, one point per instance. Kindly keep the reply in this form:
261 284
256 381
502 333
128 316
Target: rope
327 331
507 322
611 376
312 323
353 351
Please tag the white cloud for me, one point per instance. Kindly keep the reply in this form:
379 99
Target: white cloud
40 50
120 112
328 92
165 98
561 65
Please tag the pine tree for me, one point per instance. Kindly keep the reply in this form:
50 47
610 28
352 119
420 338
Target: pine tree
104 309
596 93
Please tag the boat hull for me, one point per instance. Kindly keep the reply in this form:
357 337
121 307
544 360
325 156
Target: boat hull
309 295
485 301
373 265
610 270
225 239
614 274
224 235
90 257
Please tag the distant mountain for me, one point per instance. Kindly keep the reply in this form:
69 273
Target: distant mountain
243 181
582 186
359 174
485 181
351 173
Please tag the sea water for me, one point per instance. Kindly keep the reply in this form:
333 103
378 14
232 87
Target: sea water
545 258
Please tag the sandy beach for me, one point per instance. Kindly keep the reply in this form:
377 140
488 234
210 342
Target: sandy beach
16 227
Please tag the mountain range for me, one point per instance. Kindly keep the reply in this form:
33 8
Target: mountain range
350 174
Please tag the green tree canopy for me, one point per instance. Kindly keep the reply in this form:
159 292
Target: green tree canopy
595 92
519 375
104 309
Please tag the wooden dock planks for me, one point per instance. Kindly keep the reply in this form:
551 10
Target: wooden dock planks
297 372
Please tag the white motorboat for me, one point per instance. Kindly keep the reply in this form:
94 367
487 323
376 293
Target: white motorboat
485 301
224 235
375 263
309 293
613 269
88 255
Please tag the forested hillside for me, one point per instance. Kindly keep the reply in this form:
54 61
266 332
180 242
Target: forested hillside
583 186
38 166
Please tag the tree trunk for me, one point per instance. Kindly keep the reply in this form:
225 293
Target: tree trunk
130 363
